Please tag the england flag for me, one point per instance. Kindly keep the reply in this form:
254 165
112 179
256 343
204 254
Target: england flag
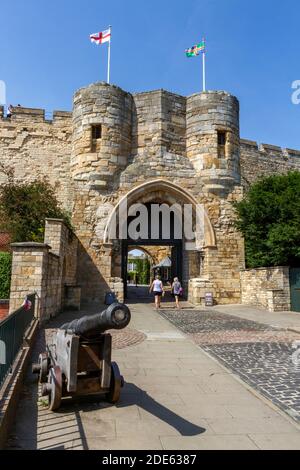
100 38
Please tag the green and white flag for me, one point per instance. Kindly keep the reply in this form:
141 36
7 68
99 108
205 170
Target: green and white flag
195 50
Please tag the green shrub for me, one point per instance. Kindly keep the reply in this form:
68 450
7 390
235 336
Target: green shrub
25 206
5 274
142 273
269 219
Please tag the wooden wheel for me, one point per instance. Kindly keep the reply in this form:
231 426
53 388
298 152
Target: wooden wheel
116 383
54 387
43 363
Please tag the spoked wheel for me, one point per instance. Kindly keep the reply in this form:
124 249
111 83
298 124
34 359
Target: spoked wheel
41 368
116 383
54 387
44 364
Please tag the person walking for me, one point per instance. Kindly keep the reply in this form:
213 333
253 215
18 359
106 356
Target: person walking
158 290
176 291
9 111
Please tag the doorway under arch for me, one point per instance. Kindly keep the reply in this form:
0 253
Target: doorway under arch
185 261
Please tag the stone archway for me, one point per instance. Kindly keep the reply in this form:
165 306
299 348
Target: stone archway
160 191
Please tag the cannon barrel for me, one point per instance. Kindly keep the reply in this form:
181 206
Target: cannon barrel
115 317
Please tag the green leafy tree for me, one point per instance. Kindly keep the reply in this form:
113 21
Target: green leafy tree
5 274
142 271
25 206
269 219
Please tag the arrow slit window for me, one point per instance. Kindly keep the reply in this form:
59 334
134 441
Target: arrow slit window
222 140
96 134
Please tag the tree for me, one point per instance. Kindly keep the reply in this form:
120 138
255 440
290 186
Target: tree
141 271
269 219
25 206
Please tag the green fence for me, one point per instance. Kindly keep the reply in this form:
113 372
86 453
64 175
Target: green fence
12 332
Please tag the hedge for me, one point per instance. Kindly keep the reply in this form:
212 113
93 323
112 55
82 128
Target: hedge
5 274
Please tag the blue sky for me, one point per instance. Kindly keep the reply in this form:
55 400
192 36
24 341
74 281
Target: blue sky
253 52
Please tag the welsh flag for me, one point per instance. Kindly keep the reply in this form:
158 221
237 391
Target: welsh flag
100 38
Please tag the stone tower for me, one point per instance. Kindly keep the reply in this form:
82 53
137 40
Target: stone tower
102 129
212 138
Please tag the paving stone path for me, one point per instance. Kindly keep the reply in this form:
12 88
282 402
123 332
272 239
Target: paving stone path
263 356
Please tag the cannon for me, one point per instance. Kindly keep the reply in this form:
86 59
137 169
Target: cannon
78 360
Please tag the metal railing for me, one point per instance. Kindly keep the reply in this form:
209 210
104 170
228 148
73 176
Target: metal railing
12 333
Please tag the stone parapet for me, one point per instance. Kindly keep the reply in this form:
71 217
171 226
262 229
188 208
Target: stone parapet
29 274
266 159
44 268
266 287
198 288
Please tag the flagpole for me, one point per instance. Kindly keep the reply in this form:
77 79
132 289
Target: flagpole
108 60
203 66
203 71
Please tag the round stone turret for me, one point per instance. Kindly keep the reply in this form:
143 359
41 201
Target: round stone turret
212 138
102 120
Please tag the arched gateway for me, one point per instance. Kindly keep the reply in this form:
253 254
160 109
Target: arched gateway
159 195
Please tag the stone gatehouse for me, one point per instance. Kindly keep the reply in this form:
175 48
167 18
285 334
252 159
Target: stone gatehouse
152 147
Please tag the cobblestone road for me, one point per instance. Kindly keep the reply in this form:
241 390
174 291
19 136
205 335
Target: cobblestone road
264 357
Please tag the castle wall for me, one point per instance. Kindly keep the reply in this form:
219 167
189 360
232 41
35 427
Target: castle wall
115 142
264 160
34 147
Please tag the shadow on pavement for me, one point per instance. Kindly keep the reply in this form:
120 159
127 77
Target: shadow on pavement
143 400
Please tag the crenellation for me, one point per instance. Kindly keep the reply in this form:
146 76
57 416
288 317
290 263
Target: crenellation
293 152
20 113
266 159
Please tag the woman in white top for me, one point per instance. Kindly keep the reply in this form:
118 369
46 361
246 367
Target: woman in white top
158 290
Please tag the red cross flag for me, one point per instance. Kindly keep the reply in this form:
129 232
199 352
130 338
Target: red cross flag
100 38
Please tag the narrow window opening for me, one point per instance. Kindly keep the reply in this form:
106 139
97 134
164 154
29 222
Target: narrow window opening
221 144
96 137
221 138
96 132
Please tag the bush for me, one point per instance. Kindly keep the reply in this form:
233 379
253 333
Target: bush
142 272
5 274
269 219
25 206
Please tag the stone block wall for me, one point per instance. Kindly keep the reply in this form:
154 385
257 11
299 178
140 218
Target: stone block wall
263 160
266 287
72 298
198 287
29 274
35 146
45 269
54 286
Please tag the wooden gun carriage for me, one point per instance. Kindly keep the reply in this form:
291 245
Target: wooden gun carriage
78 361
